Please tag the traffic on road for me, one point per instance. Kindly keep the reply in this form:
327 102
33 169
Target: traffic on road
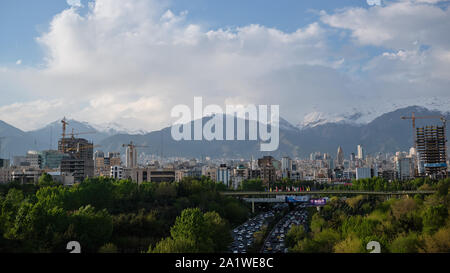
243 235
275 242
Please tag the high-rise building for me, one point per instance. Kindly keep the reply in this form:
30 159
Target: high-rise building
431 146
360 152
224 174
268 173
80 158
131 159
404 167
340 156
286 164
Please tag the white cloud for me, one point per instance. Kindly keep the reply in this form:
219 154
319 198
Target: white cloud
33 114
138 54
397 25
374 2
130 61
74 3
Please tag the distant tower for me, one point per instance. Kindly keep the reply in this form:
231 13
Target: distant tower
131 156
340 156
360 152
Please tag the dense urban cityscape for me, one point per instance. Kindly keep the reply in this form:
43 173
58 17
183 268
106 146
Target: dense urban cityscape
77 159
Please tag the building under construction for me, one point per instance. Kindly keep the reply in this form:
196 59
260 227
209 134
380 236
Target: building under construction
80 157
432 150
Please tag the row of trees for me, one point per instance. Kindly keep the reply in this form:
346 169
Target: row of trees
108 215
367 184
414 224
380 184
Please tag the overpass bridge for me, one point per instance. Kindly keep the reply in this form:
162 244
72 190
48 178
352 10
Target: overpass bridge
274 197
381 193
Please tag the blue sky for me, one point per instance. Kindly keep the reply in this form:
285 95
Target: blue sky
21 21
127 62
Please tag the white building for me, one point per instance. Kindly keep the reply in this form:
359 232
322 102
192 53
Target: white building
224 174
117 172
360 152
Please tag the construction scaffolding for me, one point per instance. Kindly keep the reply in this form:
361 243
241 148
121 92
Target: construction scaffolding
79 159
431 147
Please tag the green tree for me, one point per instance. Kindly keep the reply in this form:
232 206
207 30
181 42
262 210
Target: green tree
91 228
252 185
191 226
405 243
317 223
294 235
434 217
439 242
351 244
170 245
46 180
218 231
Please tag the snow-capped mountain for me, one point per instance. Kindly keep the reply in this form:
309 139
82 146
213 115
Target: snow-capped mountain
113 128
314 119
365 114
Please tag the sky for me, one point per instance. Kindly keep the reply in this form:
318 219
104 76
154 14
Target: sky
128 62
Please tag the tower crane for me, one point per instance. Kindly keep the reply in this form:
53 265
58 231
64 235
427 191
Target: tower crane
73 134
64 127
84 147
413 117
132 145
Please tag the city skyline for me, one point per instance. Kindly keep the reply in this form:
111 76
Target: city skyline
324 58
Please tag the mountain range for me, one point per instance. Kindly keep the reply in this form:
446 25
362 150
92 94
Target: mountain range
386 133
